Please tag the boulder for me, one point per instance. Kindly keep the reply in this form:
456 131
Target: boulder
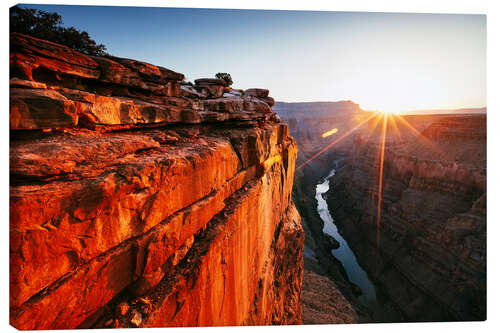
114 72
213 91
257 92
190 92
268 100
136 319
213 88
255 104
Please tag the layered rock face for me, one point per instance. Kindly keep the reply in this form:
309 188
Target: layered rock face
431 259
139 201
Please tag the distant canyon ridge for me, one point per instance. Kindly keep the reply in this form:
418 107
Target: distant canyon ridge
329 109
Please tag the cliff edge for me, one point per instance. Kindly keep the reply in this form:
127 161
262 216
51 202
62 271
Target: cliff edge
138 200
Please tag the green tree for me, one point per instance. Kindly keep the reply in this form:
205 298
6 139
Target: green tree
48 26
226 77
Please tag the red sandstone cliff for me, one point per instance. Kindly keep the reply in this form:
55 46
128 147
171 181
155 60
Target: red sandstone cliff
137 200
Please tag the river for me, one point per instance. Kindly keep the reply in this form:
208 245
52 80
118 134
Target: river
344 254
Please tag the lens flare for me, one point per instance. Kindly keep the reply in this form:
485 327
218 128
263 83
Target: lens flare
330 132
336 141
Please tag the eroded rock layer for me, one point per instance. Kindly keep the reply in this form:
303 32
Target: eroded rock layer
138 200
431 258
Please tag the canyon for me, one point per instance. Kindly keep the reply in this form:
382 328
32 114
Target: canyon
430 261
141 200
431 255
317 157
138 199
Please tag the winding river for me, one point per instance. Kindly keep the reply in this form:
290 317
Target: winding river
344 254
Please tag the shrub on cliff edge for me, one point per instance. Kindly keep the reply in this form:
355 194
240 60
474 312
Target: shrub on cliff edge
226 77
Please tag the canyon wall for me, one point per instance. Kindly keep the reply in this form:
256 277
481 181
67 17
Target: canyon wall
139 200
431 259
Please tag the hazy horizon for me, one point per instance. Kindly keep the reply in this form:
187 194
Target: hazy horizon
311 107
382 61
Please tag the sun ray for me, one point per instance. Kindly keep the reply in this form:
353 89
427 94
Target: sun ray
419 135
395 127
372 128
385 122
381 174
335 142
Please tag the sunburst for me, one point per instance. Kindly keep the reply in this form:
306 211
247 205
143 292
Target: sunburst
381 120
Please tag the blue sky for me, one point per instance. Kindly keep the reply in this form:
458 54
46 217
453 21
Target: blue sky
379 60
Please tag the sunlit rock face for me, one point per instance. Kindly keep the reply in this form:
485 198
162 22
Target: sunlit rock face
431 260
139 201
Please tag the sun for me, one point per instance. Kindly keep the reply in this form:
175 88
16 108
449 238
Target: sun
389 111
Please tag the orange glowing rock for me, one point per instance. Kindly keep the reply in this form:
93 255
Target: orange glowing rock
267 164
181 226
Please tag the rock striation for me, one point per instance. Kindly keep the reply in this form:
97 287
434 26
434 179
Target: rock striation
138 200
431 259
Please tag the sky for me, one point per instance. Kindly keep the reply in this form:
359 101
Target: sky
382 61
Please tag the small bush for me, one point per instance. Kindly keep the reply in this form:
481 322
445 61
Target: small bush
226 77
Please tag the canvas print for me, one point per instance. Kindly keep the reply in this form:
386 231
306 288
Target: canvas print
174 167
